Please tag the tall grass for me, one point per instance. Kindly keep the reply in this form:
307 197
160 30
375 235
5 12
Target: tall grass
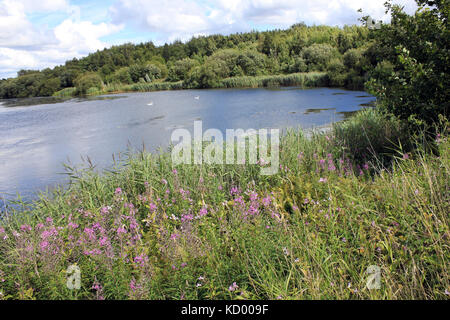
147 229
312 79
155 86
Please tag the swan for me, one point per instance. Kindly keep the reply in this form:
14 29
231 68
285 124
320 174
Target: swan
150 103
196 97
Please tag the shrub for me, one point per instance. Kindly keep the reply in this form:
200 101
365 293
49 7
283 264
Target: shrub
146 72
371 136
298 65
180 69
121 75
252 63
318 56
86 81
354 59
208 75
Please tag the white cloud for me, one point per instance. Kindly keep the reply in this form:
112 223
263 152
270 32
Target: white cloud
27 46
15 29
177 18
183 18
43 5
12 60
283 13
82 36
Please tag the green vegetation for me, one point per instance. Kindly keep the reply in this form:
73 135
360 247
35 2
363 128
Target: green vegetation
312 79
150 230
88 82
371 191
411 78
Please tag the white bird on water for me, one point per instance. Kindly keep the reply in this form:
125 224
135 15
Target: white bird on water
150 103
196 97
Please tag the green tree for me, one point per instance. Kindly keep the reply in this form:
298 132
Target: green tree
319 55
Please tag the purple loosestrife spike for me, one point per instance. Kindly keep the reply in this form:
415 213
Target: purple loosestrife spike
233 287
25 227
203 212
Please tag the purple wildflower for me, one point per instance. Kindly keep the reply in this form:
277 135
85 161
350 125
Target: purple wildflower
233 287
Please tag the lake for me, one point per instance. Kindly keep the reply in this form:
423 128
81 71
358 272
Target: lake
38 135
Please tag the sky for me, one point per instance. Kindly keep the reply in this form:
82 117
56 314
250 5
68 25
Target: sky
37 34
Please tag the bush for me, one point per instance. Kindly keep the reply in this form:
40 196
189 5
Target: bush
354 59
181 68
370 136
252 63
120 76
418 48
318 56
87 81
209 74
147 72
298 65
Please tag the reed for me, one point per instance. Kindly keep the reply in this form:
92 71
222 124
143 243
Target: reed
146 229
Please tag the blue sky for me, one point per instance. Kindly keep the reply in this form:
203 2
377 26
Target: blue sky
45 33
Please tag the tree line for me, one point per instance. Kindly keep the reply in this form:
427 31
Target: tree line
204 60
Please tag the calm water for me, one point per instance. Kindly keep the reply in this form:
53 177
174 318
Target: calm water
38 135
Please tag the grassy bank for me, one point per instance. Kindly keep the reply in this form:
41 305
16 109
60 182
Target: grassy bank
362 194
311 79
